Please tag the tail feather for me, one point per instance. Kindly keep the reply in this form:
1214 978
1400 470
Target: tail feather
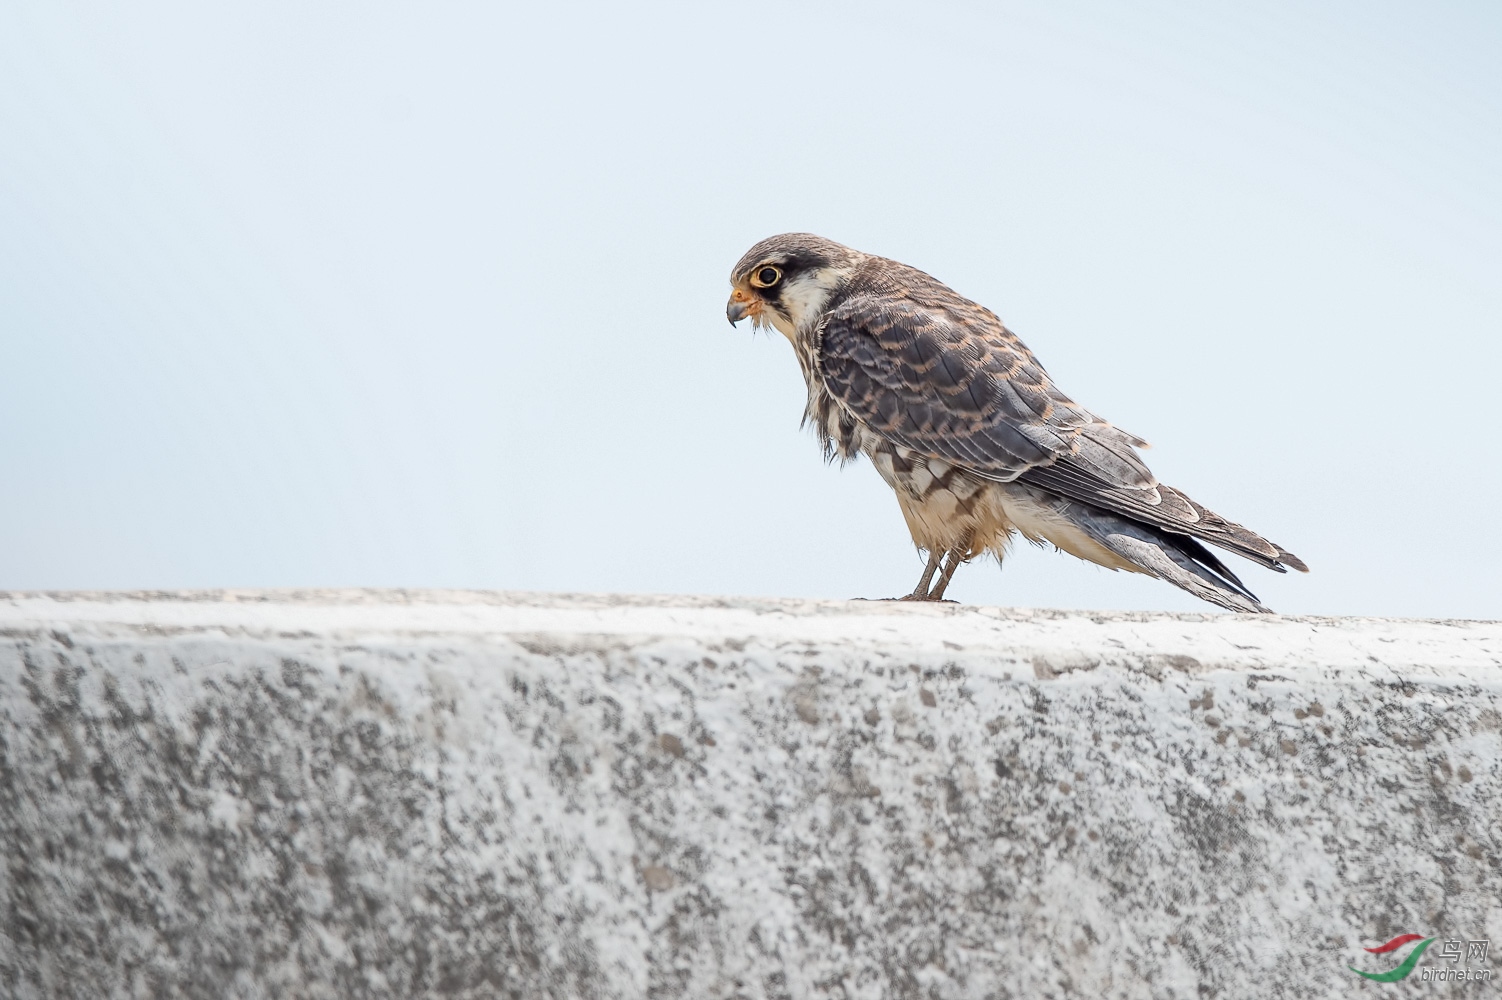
1173 558
1163 507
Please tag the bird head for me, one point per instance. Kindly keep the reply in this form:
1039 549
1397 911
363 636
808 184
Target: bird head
785 281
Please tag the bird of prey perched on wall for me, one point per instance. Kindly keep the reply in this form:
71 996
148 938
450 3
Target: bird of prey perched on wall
965 425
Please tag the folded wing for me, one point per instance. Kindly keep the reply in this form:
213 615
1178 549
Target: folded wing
942 376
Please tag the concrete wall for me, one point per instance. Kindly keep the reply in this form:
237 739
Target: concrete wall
424 794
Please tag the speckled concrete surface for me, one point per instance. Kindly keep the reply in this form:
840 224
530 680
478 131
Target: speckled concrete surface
425 794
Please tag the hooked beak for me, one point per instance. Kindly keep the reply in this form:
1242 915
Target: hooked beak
740 306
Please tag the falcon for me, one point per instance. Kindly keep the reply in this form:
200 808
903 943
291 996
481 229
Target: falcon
968 429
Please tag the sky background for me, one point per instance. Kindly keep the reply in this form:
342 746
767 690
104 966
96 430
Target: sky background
378 294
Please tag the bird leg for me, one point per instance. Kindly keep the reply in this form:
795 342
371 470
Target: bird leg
920 592
937 594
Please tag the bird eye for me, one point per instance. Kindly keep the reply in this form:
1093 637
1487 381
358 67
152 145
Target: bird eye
766 277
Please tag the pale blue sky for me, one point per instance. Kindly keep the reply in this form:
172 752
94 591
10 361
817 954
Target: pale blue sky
433 295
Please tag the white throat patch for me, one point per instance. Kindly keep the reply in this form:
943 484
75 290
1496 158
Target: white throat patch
804 296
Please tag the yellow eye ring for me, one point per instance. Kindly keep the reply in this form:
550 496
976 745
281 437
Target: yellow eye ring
766 277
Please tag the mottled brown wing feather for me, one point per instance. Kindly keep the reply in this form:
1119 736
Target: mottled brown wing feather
947 380
932 371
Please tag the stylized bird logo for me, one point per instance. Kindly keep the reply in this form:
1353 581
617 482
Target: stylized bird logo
965 425
1403 970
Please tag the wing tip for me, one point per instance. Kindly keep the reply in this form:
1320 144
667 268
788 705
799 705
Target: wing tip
1292 561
